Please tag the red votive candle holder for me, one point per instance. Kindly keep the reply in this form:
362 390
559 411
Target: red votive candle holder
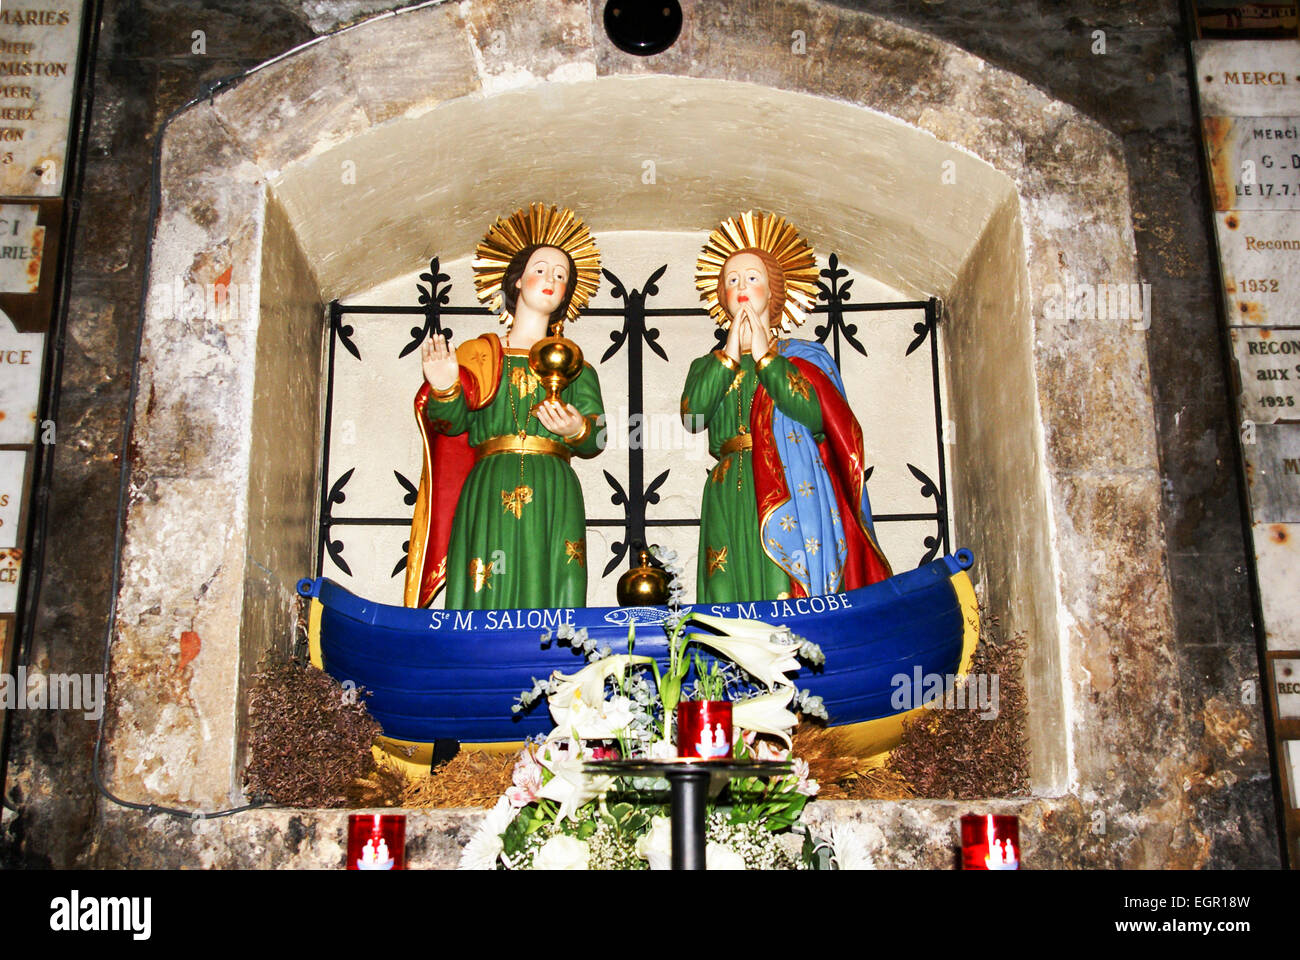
376 841
704 729
990 842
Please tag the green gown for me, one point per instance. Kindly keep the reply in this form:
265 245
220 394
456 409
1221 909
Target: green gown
732 563
519 536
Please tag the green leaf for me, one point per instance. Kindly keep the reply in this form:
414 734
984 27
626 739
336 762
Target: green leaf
816 856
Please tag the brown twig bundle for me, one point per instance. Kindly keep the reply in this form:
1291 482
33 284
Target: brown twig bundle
309 739
958 755
469 779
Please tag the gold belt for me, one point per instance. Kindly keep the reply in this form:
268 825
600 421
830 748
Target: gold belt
513 443
743 441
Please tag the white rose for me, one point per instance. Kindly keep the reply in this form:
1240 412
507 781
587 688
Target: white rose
719 856
657 845
562 853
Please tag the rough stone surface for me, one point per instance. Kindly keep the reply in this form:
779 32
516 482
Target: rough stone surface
1196 795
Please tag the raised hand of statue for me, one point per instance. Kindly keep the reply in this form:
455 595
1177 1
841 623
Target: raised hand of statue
562 419
439 362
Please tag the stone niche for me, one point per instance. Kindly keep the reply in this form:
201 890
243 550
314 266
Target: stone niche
354 159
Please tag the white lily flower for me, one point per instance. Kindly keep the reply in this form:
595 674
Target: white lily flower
766 714
749 644
586 687
602 722
569 786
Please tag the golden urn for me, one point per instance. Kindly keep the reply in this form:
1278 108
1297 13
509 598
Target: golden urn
556 361
643 586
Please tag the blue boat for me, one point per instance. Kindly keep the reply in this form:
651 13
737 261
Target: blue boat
454 674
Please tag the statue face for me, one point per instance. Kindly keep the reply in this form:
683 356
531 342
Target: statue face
745 283
545 279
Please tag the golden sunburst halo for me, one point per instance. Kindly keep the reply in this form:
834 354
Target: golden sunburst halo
760 231
524 228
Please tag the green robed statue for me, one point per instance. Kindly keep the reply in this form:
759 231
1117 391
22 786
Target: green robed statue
499 519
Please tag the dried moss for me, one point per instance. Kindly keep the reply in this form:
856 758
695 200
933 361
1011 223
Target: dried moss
309 740
842 774
384 786
469 779
954 754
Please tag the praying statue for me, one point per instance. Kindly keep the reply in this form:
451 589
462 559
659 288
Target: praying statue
499 518
785 510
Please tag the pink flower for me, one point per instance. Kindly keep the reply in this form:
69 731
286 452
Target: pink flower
604 753
767 750
807 786
527 779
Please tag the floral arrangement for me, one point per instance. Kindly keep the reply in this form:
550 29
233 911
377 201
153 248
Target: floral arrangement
556 816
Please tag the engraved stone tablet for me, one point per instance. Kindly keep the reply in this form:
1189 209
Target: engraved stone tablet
1248 78
1286 678
1254 162
13 467
11 562
21 356
1277 560
21 244
1273 473
1260 255
1268 362
38 73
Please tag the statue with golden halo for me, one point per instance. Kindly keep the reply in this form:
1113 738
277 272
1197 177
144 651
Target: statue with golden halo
499 519
785 510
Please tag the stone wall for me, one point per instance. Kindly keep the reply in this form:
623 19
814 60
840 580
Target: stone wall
1209 802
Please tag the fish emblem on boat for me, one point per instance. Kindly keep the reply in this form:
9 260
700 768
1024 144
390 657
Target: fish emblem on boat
623 616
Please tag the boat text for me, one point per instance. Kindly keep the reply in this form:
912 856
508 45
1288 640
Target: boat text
503 619
765 610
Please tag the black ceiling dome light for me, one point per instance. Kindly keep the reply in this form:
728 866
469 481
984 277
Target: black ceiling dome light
643 27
